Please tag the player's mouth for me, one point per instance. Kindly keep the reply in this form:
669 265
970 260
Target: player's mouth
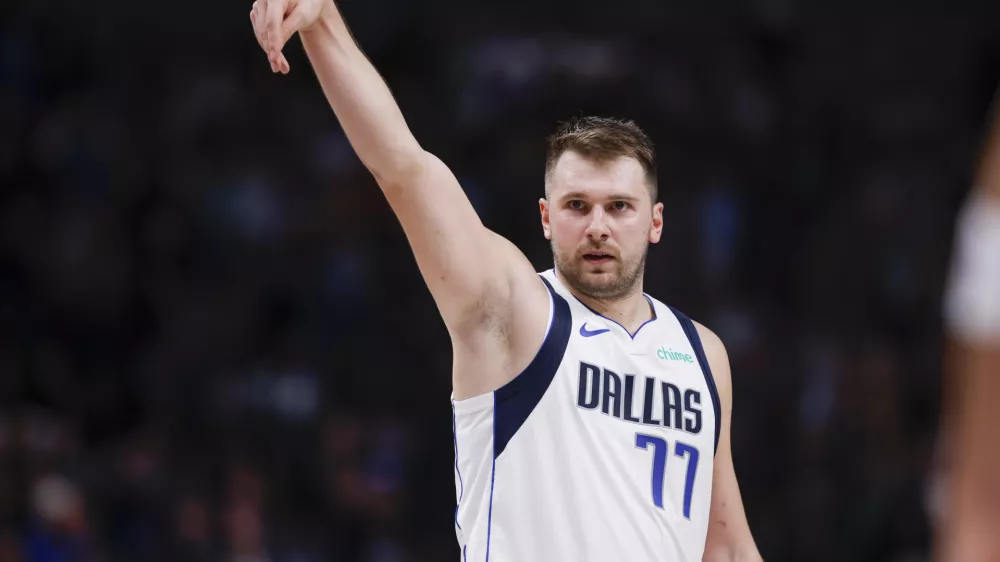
598 258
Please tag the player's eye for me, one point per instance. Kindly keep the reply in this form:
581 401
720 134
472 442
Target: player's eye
621 206
575 204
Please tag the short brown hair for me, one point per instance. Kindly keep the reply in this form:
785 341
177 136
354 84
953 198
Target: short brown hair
603 139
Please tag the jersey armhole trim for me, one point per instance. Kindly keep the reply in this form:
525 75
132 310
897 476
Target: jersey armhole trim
699 350
515 400
458 470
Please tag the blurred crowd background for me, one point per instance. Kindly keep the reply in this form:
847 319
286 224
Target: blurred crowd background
215 344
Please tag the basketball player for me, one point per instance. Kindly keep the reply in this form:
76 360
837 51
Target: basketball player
591 421
970 530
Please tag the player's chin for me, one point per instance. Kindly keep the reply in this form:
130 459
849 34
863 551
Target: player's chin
599 285
599 274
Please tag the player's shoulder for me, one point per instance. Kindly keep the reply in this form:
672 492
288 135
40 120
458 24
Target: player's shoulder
714 347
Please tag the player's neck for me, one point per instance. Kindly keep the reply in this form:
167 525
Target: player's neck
631 310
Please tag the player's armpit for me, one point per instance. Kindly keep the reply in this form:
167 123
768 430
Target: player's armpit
729 538
471 272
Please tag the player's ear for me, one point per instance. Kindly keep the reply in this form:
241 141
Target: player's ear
656 230
543 208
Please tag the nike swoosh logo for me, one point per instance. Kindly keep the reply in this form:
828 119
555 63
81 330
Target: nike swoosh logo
591 333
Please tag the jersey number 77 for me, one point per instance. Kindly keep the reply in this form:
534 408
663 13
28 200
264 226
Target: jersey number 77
660 449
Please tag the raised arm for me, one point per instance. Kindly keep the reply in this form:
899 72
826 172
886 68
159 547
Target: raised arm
471 272
729 538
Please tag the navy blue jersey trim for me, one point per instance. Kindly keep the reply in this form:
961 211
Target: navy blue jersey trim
516 399
493 479
699 350
461 483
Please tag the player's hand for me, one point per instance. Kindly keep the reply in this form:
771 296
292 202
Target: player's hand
275 21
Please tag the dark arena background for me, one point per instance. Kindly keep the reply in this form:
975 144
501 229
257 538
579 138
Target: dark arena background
215 344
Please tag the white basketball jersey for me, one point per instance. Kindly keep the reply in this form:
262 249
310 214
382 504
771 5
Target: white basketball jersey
602 449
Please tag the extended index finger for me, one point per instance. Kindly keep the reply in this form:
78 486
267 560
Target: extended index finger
275 15
256 20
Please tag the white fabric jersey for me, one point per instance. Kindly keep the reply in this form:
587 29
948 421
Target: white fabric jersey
601 450
972 296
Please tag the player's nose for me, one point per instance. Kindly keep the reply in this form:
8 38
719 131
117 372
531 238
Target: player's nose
597 229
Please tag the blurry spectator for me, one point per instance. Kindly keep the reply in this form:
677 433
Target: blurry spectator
59 531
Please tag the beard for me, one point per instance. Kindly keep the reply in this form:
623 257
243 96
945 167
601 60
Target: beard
614 280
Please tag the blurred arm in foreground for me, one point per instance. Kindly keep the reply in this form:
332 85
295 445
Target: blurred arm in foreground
970 526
